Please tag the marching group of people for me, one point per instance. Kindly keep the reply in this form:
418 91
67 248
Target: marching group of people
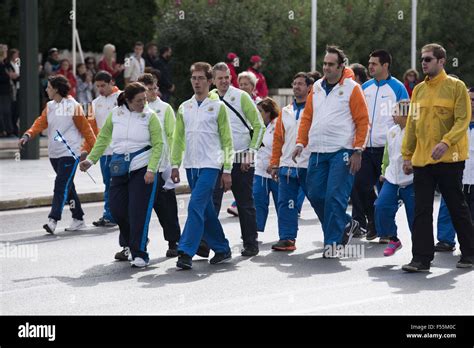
341 138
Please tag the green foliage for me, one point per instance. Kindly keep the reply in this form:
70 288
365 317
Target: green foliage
277 30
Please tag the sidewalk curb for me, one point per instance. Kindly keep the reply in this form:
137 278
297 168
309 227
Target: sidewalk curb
43 201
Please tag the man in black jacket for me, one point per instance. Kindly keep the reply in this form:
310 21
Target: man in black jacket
166 77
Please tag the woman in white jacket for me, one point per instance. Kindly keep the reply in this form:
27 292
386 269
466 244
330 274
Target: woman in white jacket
135 136
263 184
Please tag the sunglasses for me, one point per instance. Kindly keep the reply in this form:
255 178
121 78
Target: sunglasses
426 59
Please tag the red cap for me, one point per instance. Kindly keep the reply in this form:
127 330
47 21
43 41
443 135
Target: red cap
255 59
231 56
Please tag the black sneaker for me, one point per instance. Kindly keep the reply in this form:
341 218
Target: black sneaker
172 250
359 233
464 262
220 257
184 261
371 233
102 222
249 251
123 255
349 232
415 266
203 250
443 246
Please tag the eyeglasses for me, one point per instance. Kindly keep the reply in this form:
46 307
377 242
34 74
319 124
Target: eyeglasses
426 59
198 78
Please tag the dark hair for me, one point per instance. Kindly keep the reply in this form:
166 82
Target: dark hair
307 78
316 75
147 79
103 76
130 92
88 59
155 72
61 84
164 49
150 44
64 60
11 52
438 51
138 43
82 76
383 56
471 89
269 105
341 56
202 66
360 71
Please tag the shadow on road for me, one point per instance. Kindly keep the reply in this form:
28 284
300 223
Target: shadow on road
412 283
62 235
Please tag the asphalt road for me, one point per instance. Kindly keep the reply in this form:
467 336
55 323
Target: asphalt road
75 273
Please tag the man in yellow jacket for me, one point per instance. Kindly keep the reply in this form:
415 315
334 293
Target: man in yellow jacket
434 148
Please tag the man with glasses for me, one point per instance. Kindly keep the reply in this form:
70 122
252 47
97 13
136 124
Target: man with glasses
204 135
334 128
435 148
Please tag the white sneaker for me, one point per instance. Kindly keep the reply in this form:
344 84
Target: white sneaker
50 226
139 262
76 225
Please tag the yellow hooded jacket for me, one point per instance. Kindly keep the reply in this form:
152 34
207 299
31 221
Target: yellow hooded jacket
440 111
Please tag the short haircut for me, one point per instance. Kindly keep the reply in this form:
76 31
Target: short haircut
438 51
155 72
307 78
104 76
341 56
316 75
138 43
202 66
383 56
471 89
147 79
248 75
360 71
61 84
221 66
269 105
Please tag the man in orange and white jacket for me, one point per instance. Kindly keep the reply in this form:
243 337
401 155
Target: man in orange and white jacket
334 128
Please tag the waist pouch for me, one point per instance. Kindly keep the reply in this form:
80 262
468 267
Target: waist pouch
120 163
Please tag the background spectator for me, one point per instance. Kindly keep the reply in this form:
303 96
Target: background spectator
65 70
108 61
410 80
166 81
51 66
151 55
232 61
91 65
85 86
256 65
135 64
13 60
6 76
360 73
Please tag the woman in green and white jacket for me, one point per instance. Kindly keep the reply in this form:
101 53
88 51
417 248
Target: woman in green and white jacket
135 136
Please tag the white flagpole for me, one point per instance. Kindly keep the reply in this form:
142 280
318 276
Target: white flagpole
414 4
314 8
